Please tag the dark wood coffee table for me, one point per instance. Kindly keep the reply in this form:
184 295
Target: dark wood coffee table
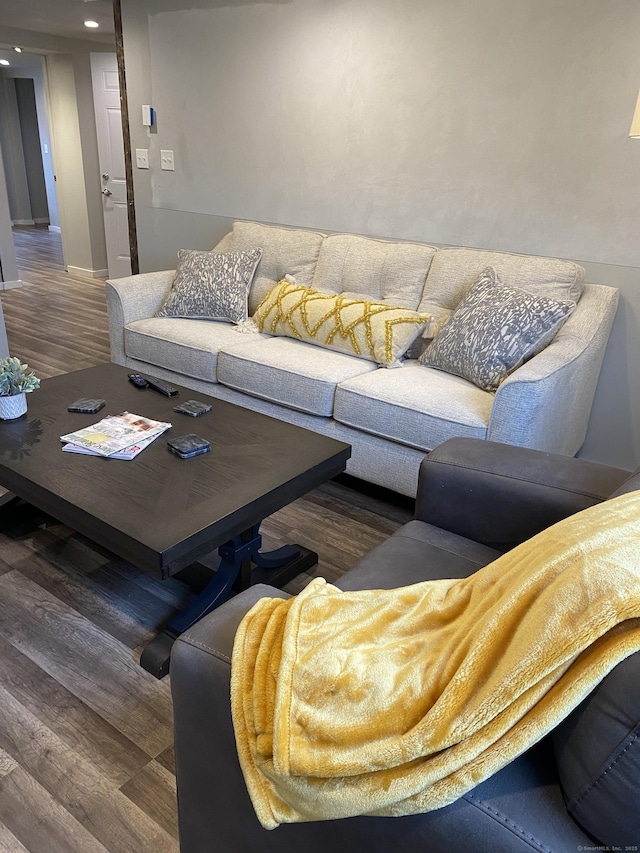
158 511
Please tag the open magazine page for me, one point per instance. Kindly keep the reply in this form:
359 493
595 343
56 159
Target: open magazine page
116 433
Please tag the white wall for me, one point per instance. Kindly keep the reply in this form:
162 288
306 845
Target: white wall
75 158
498 125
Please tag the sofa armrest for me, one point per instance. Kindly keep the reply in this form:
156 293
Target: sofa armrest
546 403
207 769
501 495
135 297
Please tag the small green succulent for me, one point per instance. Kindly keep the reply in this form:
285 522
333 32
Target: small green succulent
15 378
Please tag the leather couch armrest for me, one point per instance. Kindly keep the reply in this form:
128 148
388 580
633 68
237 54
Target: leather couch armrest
501 495
207 768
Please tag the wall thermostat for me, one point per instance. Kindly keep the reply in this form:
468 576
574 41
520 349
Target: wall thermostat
147 115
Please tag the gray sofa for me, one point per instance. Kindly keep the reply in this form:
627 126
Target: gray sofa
577 789
390 417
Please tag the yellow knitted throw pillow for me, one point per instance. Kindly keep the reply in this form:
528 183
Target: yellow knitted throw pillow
372 330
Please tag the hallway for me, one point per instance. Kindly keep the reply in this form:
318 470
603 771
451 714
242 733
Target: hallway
55 322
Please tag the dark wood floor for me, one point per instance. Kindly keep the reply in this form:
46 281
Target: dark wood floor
86 750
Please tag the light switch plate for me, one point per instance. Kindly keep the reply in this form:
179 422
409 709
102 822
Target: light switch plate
166 161
142 158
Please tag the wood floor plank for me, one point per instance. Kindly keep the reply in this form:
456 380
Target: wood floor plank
72 571
168 759
84 731
153 790
341 541
69 549
9 843
55 322
31 815
100 807
91 664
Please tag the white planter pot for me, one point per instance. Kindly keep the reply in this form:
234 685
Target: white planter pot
13 407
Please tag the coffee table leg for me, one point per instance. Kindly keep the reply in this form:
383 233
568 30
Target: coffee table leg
242 564
156 654
275 568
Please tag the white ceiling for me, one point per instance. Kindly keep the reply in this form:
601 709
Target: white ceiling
60 18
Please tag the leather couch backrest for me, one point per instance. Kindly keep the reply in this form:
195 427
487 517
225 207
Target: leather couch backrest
632 484
597 749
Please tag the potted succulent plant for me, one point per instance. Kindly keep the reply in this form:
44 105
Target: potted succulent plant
16 380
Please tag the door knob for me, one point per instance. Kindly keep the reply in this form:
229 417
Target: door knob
106 191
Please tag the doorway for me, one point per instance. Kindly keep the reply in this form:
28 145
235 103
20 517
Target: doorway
64 94
28 191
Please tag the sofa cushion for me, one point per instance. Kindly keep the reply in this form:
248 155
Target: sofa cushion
597 750
371 330
454 270
224 244
184 346
415 405
291 373
494 330
211 285
417 552
285 251
380 270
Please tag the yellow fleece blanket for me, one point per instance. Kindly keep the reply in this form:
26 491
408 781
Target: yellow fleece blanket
392 702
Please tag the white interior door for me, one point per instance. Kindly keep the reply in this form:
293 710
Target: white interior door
106 99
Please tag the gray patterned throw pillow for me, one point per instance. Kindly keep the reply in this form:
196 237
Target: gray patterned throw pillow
494 330
211 286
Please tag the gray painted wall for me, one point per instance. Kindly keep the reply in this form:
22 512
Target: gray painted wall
26 98
13 154
498 125
8 265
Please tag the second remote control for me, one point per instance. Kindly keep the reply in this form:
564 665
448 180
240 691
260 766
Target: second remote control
161 386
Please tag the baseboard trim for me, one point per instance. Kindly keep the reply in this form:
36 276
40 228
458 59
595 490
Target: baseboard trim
23 222
87 273
55 228
11 285
42 220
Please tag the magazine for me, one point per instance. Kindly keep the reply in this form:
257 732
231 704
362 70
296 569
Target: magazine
115 434
128 453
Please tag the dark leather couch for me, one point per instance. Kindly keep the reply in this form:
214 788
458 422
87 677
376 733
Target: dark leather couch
578 789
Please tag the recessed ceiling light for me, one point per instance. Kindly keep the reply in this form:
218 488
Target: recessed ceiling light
91 24
4 62
18 49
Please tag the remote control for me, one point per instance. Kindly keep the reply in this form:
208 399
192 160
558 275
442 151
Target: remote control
137 380
161 386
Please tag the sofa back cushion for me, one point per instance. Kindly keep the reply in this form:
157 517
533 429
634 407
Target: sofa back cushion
453 271
285 251
631 484
379 270
224 244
